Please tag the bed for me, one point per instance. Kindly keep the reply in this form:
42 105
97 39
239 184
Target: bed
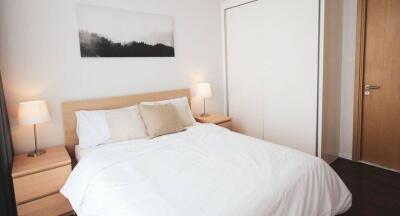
203 170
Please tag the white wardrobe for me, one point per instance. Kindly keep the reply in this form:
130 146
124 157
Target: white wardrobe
274 53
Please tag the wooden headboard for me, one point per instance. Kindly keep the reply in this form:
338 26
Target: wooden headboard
69 108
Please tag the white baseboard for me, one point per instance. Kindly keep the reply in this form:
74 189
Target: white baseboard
345 156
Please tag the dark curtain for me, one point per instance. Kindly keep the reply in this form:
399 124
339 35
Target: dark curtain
7 200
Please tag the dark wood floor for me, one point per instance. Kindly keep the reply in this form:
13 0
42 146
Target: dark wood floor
375 191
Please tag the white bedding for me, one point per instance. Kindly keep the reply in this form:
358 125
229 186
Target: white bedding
82 152
206 170
79 152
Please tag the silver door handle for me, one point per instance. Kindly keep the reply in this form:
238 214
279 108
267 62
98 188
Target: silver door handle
371 87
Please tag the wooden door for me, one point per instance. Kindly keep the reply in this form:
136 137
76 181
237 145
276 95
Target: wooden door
381 105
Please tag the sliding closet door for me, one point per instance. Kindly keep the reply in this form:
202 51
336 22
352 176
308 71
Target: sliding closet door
244 68
272 70
291 78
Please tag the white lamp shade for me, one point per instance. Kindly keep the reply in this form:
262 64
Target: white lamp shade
33 112
204 90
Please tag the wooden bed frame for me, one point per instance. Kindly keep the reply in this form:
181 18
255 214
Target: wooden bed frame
69 108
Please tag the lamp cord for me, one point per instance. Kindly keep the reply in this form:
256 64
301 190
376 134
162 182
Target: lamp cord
204 106
34 131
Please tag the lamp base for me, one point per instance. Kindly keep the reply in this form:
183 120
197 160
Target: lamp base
204 115
36 153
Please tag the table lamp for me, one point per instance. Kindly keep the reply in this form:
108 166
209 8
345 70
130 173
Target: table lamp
32 113
204 91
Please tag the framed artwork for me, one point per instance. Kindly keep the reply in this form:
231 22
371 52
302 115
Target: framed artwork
105 32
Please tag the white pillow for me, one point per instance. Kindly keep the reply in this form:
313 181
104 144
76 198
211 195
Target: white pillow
92 128
182 107
107 126
125 124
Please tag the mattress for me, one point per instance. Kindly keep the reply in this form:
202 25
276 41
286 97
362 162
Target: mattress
205 170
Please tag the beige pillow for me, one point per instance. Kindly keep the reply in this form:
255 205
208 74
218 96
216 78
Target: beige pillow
182 107
160 119
125 124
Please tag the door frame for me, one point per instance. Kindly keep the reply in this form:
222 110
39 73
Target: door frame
359 79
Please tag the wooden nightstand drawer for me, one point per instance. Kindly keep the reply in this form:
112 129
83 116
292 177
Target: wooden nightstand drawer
37 181
40 184
227 125
52 205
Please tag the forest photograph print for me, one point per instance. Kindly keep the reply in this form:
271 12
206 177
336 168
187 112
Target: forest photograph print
107 32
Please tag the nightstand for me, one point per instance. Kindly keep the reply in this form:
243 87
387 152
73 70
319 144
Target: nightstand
37 181
215 118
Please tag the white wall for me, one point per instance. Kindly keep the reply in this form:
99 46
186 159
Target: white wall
40 58
348 75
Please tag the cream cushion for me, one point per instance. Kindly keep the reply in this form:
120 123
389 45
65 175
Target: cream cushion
160 119
125 124
182 107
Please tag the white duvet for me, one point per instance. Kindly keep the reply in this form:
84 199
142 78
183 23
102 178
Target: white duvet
206 170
